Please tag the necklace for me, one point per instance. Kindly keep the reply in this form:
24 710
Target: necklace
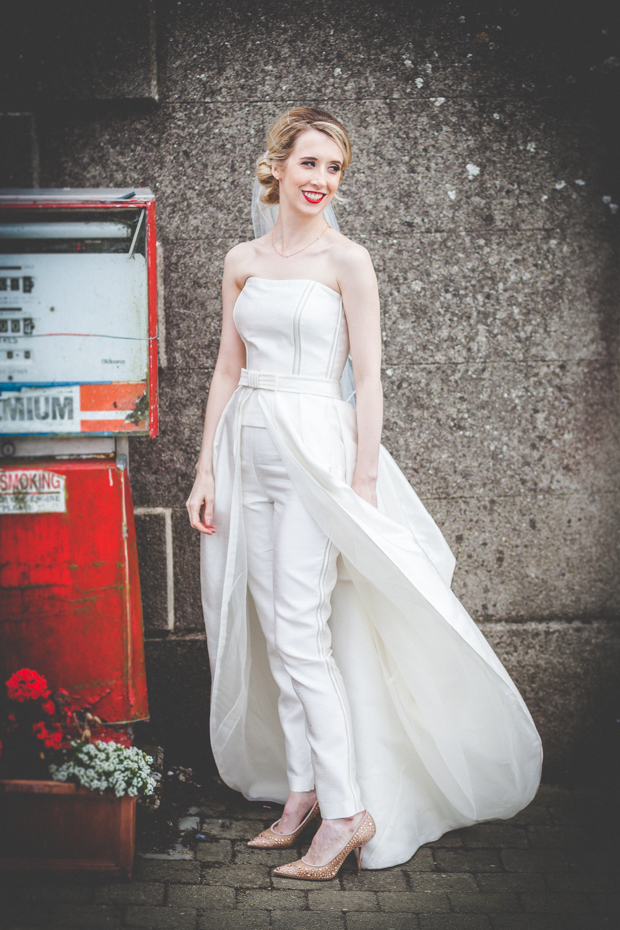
298 250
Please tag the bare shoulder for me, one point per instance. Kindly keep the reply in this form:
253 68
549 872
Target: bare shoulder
352 262
238 260
240 253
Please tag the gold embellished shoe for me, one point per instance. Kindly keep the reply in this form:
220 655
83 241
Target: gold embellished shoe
268 839
323 873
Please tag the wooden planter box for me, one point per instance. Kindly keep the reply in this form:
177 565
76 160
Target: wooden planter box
55 825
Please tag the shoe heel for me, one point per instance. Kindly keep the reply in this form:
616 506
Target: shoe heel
359 852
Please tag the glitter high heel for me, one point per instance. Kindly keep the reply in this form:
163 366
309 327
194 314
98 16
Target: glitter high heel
323 873
268 839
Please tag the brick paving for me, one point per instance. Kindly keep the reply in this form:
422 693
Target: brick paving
553 867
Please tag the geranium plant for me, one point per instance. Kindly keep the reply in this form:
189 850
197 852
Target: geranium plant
31 720
43 734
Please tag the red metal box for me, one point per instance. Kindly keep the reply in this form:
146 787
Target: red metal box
70 603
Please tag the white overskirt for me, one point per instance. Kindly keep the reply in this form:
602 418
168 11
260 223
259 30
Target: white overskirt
442 736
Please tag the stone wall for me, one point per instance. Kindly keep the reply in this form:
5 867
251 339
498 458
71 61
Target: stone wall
483 187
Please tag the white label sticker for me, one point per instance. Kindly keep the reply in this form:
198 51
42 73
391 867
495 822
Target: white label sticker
40 410
29 491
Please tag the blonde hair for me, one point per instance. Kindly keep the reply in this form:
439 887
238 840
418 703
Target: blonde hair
281 140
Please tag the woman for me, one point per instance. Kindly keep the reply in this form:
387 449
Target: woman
398 705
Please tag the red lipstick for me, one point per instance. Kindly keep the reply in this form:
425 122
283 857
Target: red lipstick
314 196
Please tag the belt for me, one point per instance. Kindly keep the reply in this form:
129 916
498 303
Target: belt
296 384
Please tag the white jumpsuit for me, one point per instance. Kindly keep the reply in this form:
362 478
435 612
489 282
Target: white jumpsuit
339 656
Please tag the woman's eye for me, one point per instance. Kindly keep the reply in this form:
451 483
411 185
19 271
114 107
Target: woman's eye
310 163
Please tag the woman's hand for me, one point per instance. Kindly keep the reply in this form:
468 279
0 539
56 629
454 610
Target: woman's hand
202 496
366 488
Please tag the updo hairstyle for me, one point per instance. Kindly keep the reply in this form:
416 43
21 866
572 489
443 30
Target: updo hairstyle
281 140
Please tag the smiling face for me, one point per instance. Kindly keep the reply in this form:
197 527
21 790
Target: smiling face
310 177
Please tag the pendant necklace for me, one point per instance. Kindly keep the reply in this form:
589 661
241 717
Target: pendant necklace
298 250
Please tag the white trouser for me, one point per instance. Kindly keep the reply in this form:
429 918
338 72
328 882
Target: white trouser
291 575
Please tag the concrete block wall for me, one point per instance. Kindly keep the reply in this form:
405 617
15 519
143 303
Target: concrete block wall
482 187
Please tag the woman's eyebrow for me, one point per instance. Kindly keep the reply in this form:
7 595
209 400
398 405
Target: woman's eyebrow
333 161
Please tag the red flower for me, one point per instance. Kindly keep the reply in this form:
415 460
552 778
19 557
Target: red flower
49 707
51 738
27 685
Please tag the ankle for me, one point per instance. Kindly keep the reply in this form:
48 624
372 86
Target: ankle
345 821
300 798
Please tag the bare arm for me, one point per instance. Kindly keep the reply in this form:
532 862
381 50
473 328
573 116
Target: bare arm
230 361
360 295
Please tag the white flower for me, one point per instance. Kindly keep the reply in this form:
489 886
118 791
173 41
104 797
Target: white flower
472 171
108 767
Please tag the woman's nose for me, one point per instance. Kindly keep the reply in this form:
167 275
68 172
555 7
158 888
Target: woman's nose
319 176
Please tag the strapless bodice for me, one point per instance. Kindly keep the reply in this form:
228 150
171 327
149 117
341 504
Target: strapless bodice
294 327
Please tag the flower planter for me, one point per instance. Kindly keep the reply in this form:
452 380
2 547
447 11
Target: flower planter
56 825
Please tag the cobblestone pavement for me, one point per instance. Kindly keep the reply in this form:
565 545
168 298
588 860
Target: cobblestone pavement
553 867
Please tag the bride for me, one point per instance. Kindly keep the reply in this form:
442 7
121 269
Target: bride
347 679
